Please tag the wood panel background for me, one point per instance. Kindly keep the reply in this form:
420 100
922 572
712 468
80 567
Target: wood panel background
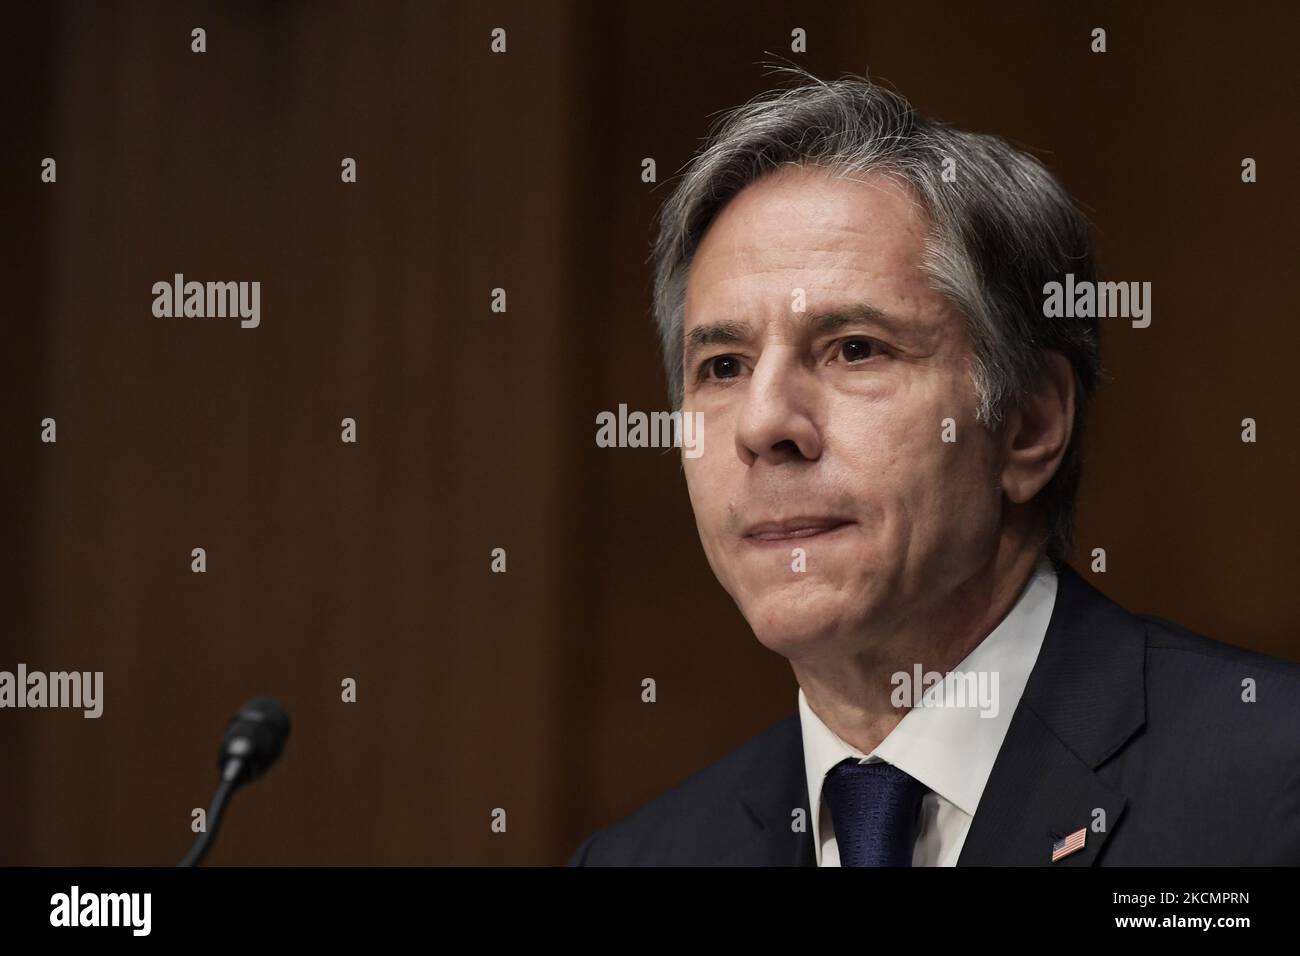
521 171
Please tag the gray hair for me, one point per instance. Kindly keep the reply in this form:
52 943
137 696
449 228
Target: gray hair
998 232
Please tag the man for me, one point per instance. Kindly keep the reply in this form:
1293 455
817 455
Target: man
852 295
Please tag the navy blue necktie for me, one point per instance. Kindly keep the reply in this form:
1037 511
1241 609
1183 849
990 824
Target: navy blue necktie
875 808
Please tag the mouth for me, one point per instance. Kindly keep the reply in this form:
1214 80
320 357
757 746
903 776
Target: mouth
794 529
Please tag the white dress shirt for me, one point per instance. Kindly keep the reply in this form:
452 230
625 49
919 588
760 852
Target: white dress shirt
950 749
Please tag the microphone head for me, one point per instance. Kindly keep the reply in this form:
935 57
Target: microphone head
254 739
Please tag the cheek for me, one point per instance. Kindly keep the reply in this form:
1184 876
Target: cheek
908 478
698 486
953 497
708 491
709 477
707 487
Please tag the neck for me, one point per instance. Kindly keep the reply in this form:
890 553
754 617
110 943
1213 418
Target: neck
850 691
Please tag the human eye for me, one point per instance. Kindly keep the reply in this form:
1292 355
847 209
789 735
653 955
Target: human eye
856 349
720 368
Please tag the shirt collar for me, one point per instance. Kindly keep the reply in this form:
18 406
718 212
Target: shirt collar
949 749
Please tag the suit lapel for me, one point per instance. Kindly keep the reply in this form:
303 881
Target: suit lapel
772 787
1038 793
1084 700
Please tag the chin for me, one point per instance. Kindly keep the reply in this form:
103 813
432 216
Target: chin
791 628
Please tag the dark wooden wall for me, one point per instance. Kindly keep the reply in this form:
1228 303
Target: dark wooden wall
521 171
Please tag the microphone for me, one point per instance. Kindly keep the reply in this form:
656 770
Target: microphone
253 741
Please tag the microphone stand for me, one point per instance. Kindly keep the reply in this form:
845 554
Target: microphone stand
219 800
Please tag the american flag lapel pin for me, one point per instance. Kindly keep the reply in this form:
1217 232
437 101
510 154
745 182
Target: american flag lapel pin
1070 844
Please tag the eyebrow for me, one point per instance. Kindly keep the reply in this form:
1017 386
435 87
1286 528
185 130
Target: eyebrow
816 324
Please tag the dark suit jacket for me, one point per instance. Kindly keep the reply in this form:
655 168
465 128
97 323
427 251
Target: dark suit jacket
1133 715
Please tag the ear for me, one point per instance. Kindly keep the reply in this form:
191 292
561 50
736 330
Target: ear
1037 433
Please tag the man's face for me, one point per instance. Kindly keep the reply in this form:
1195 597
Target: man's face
825 427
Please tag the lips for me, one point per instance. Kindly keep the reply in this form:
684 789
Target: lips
792 528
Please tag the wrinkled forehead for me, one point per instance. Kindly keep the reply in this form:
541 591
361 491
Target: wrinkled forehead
811 239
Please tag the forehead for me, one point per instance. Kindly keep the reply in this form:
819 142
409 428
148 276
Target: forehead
810 228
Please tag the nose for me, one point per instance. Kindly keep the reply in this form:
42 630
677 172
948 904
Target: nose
776 422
